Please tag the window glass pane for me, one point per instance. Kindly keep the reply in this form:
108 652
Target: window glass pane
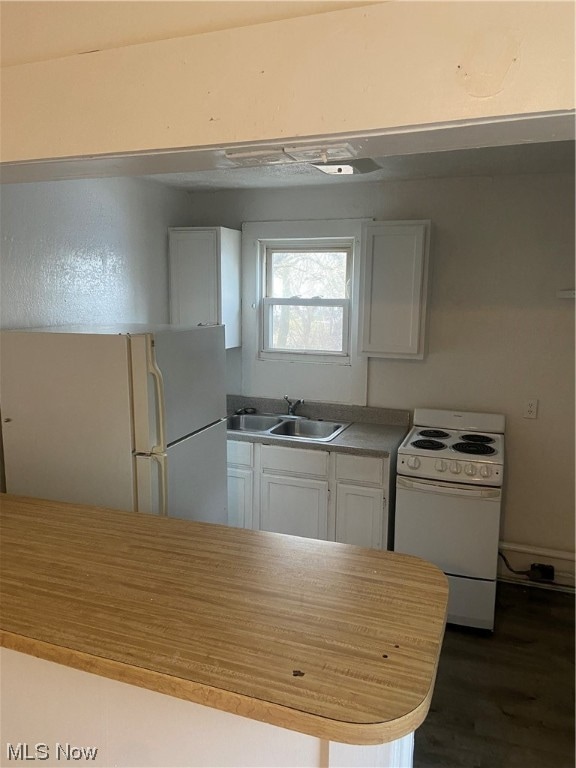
307 328
308 274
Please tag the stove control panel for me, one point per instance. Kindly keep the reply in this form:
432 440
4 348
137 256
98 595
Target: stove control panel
450 470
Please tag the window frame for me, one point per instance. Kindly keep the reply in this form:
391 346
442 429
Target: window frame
347 380
267 303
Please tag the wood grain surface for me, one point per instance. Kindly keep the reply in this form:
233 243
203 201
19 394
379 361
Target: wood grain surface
327 639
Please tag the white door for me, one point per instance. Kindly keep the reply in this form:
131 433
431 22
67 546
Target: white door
359 515
394 288
455 527
151 488
196 473
67 417
240 491
294 505
189 381
194 276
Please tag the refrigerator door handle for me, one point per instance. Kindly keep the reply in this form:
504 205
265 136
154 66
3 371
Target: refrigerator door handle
163 483
152 483
156 374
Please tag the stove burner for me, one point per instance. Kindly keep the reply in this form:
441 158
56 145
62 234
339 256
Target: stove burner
480 449
433 433
477 438
430 445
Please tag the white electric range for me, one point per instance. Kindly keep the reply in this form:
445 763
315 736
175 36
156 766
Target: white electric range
450 470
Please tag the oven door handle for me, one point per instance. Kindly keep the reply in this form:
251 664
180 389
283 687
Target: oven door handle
448 489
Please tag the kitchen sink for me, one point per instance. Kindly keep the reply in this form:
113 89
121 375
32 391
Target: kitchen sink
252 422
308 429
295 428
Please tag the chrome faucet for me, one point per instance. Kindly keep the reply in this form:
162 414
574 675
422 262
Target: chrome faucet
292 405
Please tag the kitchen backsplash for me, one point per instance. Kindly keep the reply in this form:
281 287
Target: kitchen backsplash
318 410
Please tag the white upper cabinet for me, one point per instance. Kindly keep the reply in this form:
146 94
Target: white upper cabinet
204 267
394 288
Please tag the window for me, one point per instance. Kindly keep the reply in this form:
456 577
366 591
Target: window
306 298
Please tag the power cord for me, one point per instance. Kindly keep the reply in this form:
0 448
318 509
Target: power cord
507 564
536 572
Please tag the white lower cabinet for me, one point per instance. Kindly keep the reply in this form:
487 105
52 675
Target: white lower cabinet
294 491
240 484
359 515
294 505
240 497
312 493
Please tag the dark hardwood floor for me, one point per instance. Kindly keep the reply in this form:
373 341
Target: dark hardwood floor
505 700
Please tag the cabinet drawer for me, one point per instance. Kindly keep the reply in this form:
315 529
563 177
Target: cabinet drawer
360 469
240 453
294 460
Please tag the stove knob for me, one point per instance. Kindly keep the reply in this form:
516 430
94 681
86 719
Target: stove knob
413 462
440 465
485 470
455 468
470 469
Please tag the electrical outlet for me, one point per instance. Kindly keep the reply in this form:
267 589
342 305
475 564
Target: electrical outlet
541 572
531 409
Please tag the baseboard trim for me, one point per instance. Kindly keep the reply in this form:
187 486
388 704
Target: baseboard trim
521 556
554 554
537 584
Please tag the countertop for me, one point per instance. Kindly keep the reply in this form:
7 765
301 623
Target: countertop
323 638
362 439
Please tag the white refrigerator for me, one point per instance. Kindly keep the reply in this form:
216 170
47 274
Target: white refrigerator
129 417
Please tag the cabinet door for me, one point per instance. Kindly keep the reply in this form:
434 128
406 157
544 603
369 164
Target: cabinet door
359 515
205 278
394 289
240 490
294 505
194 277
230 300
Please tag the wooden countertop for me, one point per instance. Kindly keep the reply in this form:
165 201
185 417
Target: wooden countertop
327 639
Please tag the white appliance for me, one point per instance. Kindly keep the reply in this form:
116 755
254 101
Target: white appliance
129 417
448 499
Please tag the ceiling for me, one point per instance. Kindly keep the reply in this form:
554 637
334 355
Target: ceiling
551 157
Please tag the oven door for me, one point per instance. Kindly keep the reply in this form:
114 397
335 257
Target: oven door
454 526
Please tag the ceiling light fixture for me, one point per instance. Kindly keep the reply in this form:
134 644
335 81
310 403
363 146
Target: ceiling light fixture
363 165
335 170
329 153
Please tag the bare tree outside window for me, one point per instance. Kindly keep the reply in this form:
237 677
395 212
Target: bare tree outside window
307 299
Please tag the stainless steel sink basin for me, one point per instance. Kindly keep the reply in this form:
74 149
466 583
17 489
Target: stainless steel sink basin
308 429
294 428
252 422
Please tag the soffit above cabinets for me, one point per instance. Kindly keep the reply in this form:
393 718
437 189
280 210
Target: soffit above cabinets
556 157
534 144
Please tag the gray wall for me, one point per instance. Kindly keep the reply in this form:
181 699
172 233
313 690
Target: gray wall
497 334
86 251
